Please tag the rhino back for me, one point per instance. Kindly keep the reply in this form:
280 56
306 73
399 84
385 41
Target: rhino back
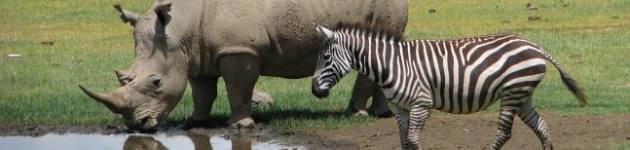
282 32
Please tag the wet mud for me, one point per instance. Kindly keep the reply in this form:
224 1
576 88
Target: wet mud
442 131
114 138
159 141
111 137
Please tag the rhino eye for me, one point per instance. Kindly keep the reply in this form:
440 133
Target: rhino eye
155 80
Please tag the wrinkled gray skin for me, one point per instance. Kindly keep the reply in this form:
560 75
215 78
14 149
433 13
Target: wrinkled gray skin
201 40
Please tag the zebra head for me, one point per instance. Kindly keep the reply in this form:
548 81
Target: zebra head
333 63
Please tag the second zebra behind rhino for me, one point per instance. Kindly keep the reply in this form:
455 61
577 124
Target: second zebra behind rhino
457 76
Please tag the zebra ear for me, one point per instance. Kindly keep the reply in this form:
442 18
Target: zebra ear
327 32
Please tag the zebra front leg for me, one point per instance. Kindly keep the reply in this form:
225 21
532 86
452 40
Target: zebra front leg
504 131
402 118
537 124
418 114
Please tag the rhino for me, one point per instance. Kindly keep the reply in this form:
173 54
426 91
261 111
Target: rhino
199 41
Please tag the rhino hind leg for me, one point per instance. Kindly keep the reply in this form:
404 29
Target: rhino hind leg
361 92
380 105
240 72
364 89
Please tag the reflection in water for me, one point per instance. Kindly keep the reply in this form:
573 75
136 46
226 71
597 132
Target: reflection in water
161 141
136 142
241 144
200 141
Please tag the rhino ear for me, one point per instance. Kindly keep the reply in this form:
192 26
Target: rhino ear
127 16
161 10
327 32
123 77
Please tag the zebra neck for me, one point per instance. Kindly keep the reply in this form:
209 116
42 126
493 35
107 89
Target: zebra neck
376 59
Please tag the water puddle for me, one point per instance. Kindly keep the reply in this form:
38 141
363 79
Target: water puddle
137 141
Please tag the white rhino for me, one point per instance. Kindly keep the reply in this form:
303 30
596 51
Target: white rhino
201 40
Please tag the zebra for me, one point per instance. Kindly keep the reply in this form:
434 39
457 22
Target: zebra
458 76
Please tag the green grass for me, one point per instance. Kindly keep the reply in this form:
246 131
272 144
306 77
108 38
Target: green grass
591 39
623 146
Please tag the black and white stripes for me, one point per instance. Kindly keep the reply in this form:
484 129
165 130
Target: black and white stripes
457 76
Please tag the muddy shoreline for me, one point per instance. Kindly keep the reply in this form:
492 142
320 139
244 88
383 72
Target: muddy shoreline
442 131
289 137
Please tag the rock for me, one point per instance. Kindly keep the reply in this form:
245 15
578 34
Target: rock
534 18
14 55
261 98
531 7
49 43
288 133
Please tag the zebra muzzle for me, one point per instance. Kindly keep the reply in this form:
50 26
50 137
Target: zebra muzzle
320 91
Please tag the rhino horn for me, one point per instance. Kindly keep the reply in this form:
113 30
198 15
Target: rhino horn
113 104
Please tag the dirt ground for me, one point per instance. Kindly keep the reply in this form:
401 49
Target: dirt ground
477 131
442 132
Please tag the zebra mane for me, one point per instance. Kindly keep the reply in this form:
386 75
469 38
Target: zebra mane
376 29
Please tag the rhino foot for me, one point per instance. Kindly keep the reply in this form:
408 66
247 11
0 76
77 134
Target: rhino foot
246 123
350 111
192 123
381 113
380 108
356 113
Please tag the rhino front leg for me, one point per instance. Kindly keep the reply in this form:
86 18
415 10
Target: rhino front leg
204 92
363 89
240 72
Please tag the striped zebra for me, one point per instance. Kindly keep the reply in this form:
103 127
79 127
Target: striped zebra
457 76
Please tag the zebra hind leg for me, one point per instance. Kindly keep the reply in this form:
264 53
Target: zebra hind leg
511 101
537 124
504 131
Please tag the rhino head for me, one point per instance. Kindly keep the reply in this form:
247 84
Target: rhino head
157 79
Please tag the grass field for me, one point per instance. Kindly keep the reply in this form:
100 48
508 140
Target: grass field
66 42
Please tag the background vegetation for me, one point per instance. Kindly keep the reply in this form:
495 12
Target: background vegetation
66 42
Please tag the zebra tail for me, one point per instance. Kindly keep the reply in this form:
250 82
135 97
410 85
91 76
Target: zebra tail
567 80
